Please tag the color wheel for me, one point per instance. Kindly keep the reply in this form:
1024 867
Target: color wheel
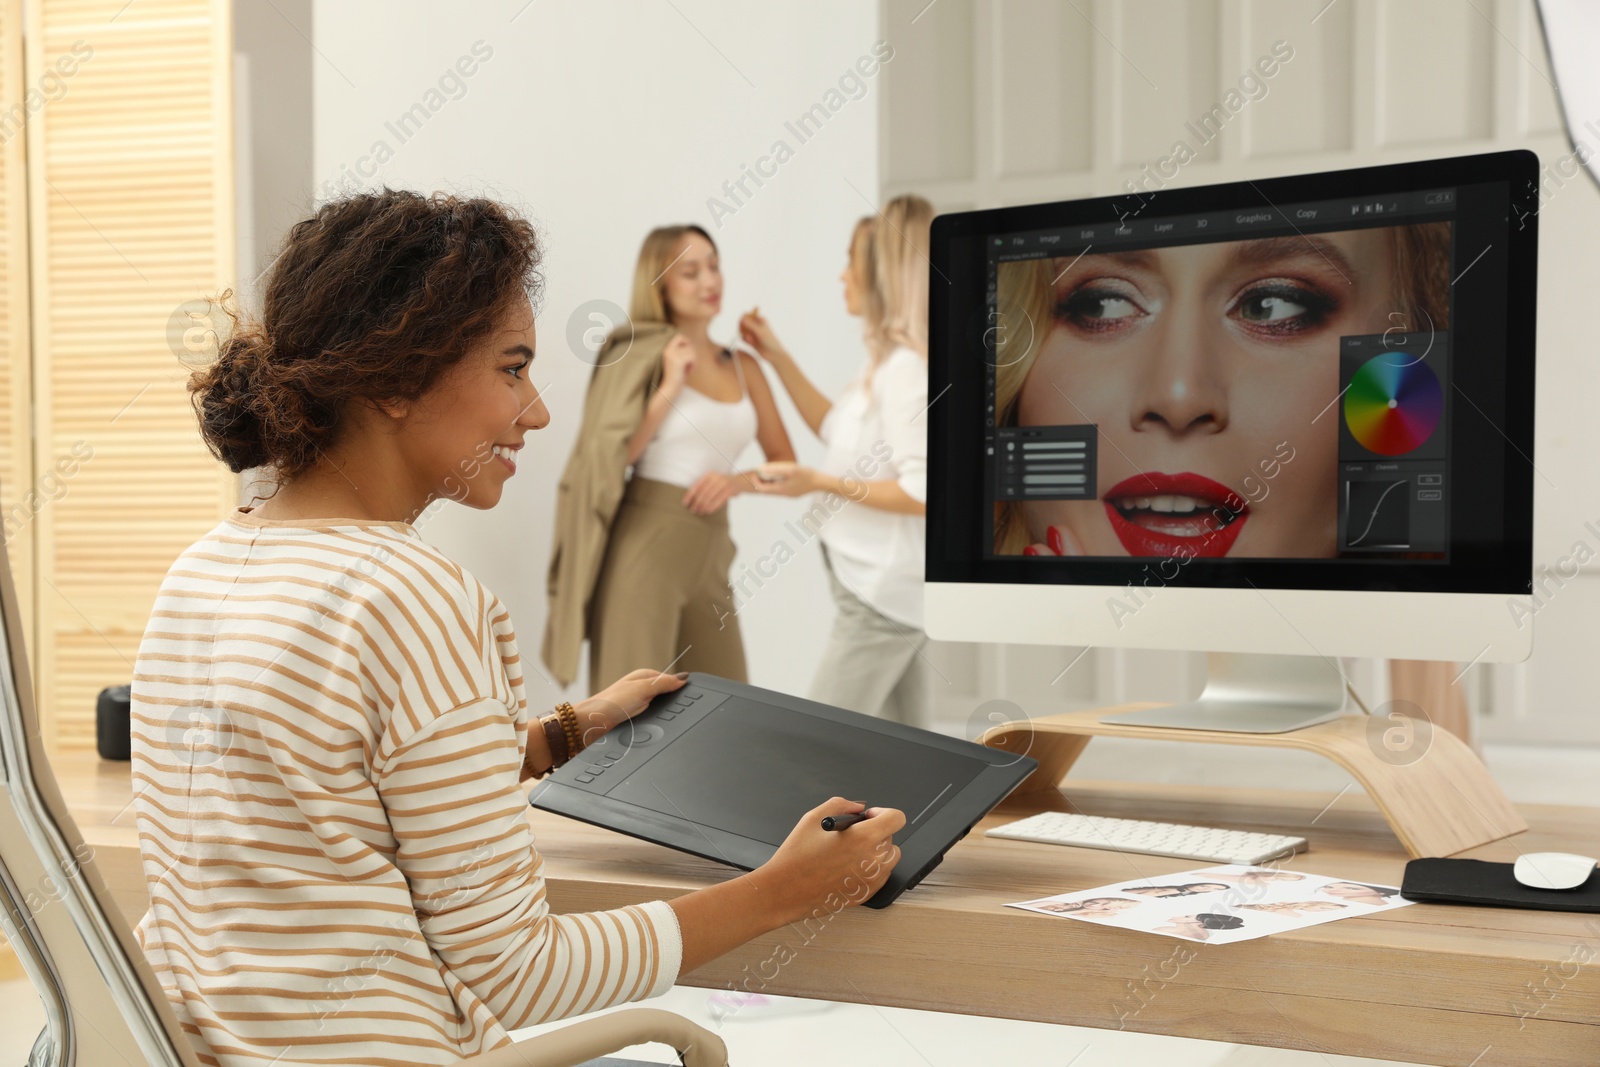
1393 403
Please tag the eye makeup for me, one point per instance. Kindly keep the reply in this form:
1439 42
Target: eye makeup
1270 308
1282 308
1101 305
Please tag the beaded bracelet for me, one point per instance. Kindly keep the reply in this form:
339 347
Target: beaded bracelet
569 723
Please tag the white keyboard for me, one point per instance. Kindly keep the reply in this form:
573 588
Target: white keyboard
1150 838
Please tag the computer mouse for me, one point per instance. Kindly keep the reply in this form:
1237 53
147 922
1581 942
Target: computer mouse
1553 870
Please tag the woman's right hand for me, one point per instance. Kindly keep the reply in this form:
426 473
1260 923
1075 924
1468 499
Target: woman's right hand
757 332
677 360
833 869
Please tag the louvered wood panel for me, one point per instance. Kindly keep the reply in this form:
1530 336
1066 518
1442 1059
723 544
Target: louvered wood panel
16 513
132 212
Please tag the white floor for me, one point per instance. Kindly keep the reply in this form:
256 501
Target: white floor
806 1033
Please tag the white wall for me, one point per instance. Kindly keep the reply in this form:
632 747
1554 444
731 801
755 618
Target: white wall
604 118
272 62
600 120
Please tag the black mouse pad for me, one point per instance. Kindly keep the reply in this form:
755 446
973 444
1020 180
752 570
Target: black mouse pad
1491 885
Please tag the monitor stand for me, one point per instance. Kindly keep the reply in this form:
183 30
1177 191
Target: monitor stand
1439 799
1254 694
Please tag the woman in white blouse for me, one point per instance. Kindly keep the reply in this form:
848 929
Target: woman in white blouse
877 440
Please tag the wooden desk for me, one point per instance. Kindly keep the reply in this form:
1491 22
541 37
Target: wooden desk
1428 983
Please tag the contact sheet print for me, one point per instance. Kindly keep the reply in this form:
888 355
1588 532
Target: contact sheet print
1219 905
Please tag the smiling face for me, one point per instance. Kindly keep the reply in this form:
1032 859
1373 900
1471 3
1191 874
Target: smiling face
692 285
1208 370
460 440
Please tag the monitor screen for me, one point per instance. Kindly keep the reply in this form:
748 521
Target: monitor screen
1315 382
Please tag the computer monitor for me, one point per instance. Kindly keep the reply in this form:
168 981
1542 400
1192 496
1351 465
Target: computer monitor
1289 416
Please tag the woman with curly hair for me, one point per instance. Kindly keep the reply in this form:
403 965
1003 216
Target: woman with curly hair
330 726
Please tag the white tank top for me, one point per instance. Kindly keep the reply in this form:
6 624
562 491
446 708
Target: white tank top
699 435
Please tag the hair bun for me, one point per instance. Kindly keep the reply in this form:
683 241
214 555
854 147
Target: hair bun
226 396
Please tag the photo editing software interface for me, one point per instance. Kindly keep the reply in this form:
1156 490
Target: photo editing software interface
1270 383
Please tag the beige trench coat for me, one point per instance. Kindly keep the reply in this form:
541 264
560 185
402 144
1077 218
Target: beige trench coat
626 372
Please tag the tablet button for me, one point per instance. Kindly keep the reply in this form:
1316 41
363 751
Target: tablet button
634 733
586 778
668 715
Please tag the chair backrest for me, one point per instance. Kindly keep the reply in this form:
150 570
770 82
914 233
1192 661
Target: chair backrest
103 999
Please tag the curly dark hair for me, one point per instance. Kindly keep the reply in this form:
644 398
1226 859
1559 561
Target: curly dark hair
372 298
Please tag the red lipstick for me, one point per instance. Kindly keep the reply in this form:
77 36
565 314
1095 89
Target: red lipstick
1183 515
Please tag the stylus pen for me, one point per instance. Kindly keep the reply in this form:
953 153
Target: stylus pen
839 822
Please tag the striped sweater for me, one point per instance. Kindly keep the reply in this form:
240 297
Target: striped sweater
328 733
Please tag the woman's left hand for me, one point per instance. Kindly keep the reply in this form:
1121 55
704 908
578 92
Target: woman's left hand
786 479
622 700
712 491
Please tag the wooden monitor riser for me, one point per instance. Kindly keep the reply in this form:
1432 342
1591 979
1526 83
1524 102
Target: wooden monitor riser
1442 802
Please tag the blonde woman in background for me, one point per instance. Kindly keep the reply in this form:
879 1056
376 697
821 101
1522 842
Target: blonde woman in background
876 434
678 408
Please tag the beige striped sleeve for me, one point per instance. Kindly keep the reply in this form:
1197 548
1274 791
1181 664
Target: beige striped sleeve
465 847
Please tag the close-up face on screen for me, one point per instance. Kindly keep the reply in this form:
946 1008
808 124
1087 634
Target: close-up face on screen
1258 398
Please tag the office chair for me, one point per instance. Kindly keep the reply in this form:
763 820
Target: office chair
103 1002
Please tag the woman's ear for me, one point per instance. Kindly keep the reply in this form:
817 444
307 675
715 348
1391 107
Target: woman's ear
395 408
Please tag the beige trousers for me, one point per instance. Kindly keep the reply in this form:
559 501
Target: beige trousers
662 599
871 663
